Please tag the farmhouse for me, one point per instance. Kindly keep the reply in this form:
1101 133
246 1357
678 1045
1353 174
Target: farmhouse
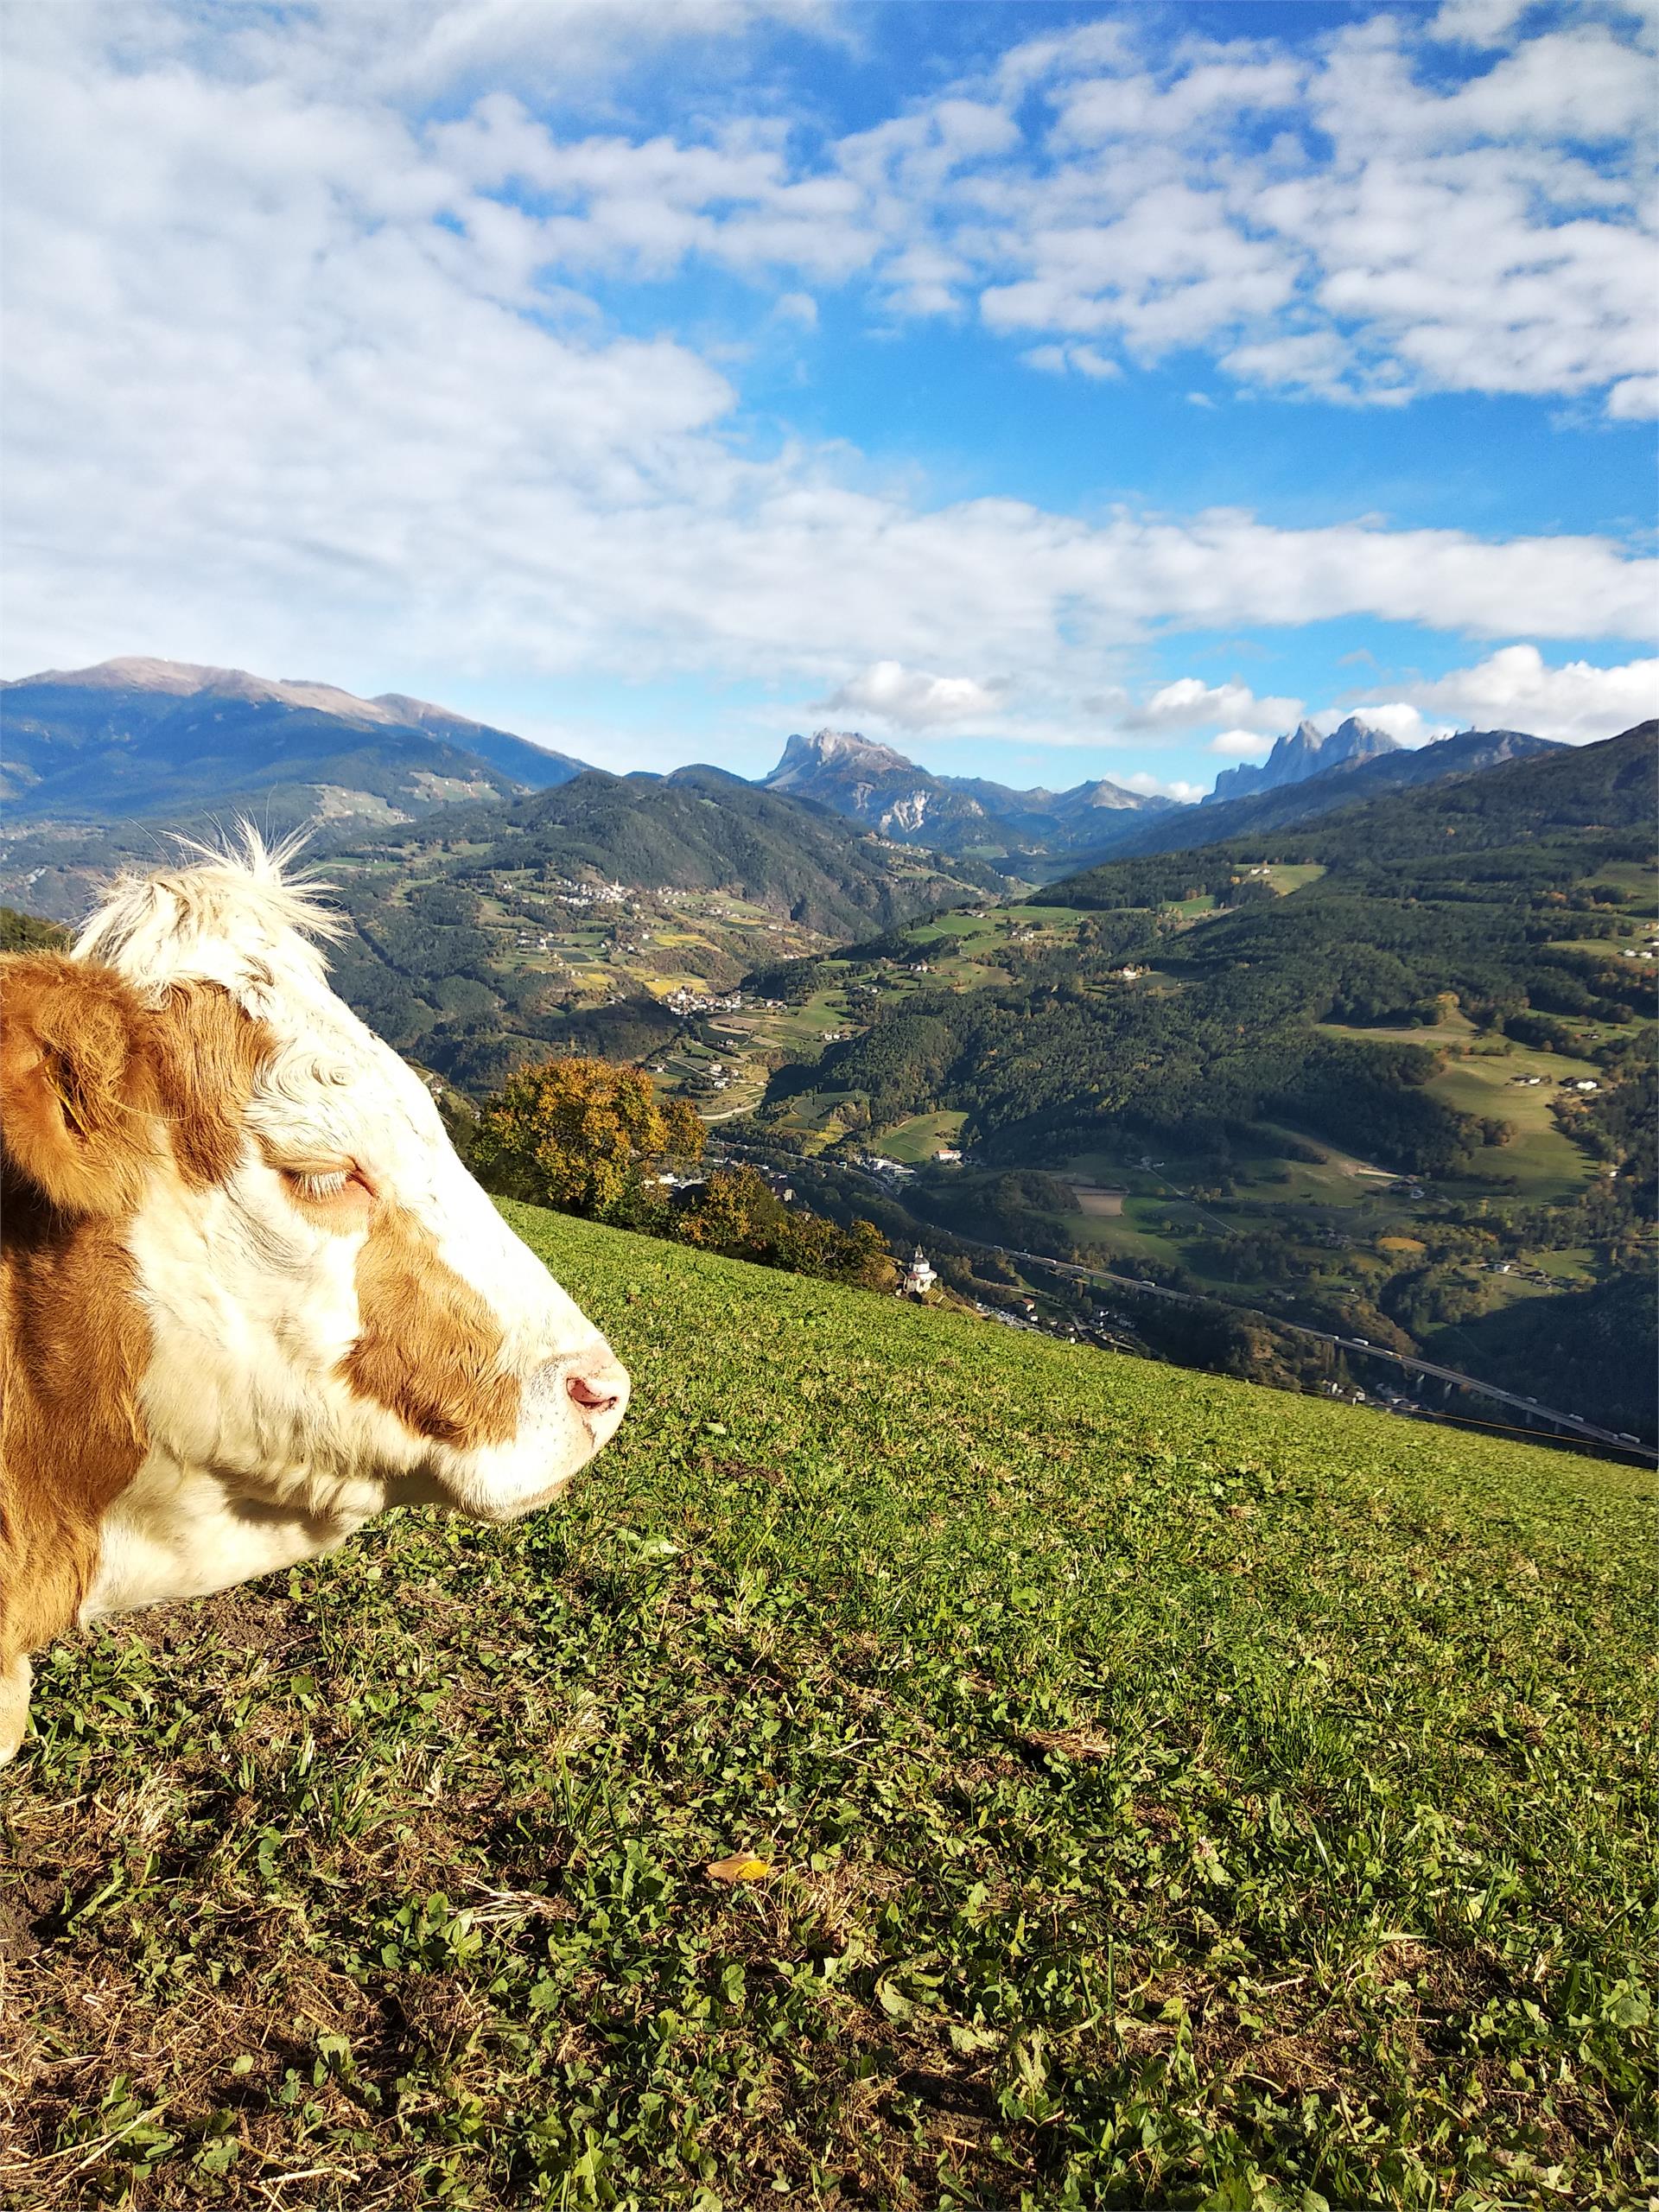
251 1295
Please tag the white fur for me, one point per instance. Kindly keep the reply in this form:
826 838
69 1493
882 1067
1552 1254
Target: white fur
260 1454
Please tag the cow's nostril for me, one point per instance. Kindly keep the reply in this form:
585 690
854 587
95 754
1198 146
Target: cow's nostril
598 1394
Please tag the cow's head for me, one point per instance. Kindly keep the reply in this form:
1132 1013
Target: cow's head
333 1316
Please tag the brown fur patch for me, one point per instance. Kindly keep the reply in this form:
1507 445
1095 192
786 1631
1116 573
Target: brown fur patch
94 1087
78 1093
79 1105
209 1055
74 1345
430 1348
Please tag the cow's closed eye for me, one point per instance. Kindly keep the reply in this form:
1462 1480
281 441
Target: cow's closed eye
341 1192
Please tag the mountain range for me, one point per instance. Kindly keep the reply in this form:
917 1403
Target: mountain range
138 737
1344 783
98 762
1040 834
1304 752
871 783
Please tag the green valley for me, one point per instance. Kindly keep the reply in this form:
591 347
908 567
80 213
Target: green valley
611 915
1388 1076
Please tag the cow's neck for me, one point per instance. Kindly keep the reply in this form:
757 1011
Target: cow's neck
178 1531
74 1347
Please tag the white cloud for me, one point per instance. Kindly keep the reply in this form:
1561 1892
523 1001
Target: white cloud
449 46
1405 724
1049 359
1576 703
1340 222
1056 360
1160 787
1334 216
911 698
1088 363
1634 398
289 384
1241 745
646 208
1189 702
1477 22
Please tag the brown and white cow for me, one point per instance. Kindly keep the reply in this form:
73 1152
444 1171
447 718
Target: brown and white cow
249 1295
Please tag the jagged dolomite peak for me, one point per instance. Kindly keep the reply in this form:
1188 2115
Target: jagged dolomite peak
1304 752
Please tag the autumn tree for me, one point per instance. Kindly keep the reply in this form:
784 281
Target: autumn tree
583 1136
735 1210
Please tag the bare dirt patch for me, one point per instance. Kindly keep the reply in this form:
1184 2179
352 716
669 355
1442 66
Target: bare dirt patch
1100 1205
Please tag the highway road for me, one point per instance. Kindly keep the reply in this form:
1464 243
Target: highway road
1574 1424
1570 1424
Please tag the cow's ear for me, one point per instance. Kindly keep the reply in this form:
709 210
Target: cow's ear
77 1094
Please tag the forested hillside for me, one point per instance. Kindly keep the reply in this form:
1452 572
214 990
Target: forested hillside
1532 791
562 921
1391 1071
1464 890
698 829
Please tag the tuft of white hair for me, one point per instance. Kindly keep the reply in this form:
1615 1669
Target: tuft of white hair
237 914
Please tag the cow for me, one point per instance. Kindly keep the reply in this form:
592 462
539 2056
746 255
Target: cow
249 1294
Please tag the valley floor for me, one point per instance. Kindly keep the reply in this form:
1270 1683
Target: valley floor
1166 1791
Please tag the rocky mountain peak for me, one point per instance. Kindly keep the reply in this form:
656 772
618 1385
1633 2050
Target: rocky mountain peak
839 749
1302 753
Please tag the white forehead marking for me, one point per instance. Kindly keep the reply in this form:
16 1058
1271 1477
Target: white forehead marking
232 918
237 919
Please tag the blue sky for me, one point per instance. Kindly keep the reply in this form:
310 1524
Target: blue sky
1052 391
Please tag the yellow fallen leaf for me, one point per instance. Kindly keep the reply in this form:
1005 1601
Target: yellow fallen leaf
742 1867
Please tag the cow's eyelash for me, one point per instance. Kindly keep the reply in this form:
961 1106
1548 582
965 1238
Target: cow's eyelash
326 1185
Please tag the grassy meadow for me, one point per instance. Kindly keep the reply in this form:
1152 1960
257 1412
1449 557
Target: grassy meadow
1165 1792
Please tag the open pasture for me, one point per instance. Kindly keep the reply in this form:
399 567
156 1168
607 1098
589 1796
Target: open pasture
919 1138
1488 1083
1167 1792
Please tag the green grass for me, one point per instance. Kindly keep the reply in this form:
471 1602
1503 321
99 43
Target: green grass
1194 909
1175 1794
1574 1266
1548 1165
1286 876
1453 1028
920 1137
1330 1183
1629 875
